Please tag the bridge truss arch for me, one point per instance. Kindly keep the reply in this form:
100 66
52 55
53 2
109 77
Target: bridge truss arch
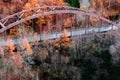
6 23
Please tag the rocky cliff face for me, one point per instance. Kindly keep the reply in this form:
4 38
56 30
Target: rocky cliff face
8 7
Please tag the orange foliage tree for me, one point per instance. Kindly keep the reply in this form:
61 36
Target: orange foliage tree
64 40
31 4
35 4
34 23
58 2
108 7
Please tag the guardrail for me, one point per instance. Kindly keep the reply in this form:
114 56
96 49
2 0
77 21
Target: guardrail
53 35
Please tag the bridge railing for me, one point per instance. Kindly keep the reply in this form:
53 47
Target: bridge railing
6 24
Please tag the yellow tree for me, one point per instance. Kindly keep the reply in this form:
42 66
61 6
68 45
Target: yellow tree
58 2
31 4
34 4
63 40
37 3
108 7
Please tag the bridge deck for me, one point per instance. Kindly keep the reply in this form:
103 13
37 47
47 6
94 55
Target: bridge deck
54 35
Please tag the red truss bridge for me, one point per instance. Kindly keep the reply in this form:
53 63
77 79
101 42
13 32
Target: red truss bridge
81 20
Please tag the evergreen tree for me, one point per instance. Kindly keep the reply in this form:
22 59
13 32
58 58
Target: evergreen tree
74 3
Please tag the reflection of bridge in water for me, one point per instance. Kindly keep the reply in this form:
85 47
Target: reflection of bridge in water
80 20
